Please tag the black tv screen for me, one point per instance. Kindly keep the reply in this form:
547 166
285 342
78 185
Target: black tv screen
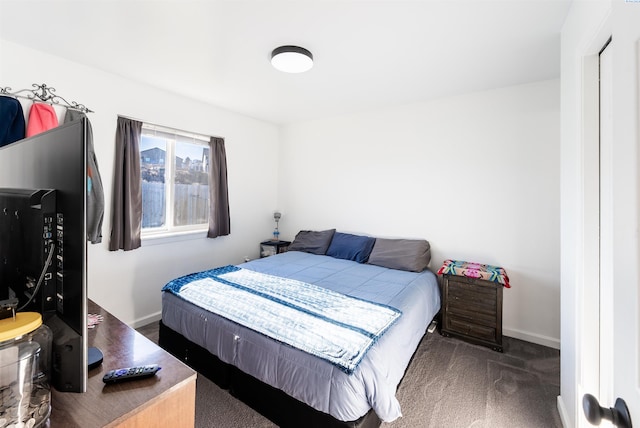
56 160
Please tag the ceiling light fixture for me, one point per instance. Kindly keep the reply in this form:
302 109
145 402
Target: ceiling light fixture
291 59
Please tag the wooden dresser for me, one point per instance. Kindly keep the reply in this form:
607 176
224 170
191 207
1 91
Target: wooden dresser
472 310
164 400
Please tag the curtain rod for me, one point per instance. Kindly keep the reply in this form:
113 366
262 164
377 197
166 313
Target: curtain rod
45 94
168 128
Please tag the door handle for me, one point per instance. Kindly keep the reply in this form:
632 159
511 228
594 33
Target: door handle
618 415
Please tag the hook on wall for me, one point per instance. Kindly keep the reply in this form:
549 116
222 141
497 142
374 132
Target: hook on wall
45 94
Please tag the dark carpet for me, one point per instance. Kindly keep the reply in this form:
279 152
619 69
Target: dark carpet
449 383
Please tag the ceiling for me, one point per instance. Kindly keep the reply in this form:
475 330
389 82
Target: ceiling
368 54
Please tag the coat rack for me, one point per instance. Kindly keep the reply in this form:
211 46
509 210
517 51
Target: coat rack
45 94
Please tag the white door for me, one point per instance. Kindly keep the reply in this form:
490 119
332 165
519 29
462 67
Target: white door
606 226
625 164
619 394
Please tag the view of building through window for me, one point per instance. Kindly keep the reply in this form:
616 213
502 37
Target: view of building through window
175 180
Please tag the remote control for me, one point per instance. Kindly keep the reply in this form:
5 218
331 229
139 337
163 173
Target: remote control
130 373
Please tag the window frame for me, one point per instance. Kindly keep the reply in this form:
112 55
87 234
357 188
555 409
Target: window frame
169 229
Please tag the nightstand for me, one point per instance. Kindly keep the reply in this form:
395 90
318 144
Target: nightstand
272 247
472 310
472 306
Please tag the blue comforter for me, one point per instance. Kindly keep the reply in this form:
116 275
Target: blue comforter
312 380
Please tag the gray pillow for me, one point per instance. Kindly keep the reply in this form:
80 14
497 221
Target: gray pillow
314 242
403 254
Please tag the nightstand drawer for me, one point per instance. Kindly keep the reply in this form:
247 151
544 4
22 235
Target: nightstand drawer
472 290
476 314
470 328
472 297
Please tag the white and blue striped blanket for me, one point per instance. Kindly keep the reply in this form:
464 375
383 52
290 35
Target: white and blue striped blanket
322 322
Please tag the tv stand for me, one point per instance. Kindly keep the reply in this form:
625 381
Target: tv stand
164 400
94 357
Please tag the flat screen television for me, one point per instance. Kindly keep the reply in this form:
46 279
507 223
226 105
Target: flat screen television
43 182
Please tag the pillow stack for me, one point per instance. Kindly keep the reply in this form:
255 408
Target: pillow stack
411 255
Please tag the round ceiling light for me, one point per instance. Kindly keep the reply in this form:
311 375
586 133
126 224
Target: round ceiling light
292 59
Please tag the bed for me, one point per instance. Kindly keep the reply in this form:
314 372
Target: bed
293 387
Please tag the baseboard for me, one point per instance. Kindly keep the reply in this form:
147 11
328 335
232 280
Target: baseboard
564 417
533 338
155 317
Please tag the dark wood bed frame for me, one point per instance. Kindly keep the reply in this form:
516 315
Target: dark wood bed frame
271 402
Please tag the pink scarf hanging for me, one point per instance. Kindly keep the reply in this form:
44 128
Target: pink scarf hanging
42 117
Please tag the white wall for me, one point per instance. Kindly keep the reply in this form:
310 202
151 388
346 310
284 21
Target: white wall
477 175
128 283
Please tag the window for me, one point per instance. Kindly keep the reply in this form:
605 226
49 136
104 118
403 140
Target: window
174 167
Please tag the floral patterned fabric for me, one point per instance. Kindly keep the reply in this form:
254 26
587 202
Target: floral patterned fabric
475 270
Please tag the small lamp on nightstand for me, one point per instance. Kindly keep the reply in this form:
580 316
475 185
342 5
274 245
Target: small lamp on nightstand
276 232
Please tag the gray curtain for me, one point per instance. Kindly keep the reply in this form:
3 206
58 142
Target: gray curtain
219 221
126 212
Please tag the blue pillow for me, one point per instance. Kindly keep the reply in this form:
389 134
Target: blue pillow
351 247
